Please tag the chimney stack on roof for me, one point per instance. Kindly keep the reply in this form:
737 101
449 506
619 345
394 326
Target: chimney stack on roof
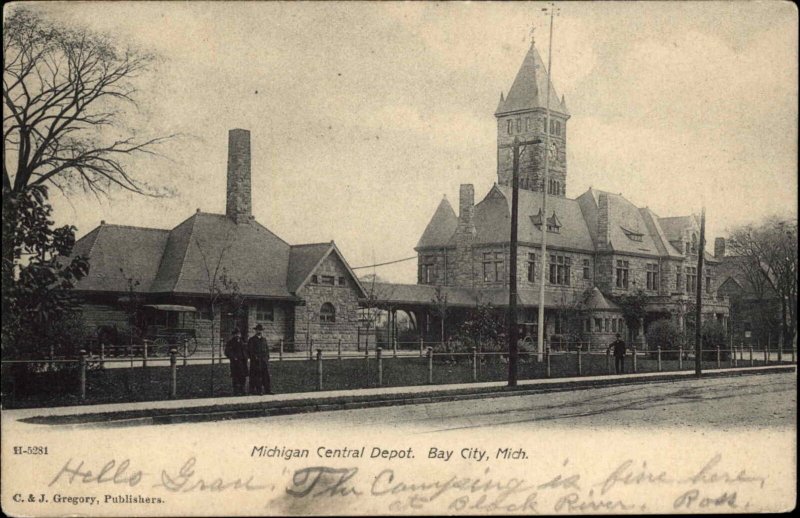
239 204
466 206
719 247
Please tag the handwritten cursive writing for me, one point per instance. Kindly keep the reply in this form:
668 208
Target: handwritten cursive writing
321 481
111 472
186 481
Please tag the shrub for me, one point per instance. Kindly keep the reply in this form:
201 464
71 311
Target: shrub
666 335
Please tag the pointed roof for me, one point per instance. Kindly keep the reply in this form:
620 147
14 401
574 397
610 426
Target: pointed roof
303 259
597 300
529 90
441 226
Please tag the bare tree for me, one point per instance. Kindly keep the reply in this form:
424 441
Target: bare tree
217 281
65 90
769 261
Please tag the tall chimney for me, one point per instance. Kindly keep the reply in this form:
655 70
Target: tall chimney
466 206
719 247
239 205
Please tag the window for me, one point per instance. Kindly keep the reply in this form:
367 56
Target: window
598 325
527 123
519 125
587 269
510 127
531 267
691 278
622 274
652 277
555 127
492 266
265 312
607 326
678 279
694 243
327 313
328 280
428 270
560 270
558 325
342 282
314 279
708 284
614 325
587 325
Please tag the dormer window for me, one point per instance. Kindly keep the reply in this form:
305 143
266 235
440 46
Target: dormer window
633 235
510 127
553 223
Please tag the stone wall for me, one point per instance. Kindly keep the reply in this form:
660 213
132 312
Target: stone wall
343 297
444 261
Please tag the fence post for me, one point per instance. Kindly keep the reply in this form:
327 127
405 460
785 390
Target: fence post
750 348
394 345
311 349
280 350
185 352
82 365
766 352
430 365
547 358
633 350
378 354
173 369
608 361
319 369
719 363
421 345
339 349
102 350
144 354
474 364
579 367
658 358
680 357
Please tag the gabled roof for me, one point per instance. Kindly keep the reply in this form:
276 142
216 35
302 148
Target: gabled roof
303 259
184 260
733 268
493 219
625 220
529 90
658 235
674 226
441 226
135 250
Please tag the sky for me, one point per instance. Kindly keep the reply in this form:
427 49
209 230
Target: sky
364 115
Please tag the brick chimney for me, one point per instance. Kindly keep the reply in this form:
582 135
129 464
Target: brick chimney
603 230
719 247
466 207
239 204
463 274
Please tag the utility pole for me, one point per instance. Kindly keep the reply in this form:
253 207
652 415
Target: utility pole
698 368
540 334
513 329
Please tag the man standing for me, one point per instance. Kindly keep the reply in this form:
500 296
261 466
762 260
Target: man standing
236 352
258 351
619 354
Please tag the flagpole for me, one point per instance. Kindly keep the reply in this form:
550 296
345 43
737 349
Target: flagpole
540 334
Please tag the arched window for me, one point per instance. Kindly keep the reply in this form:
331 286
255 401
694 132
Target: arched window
327 313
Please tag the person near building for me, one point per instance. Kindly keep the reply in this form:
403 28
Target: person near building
236 352
258 351
619 348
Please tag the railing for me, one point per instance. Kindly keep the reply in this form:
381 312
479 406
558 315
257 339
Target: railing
94 378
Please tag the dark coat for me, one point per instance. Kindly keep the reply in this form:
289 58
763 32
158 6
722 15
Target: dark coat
619 348
258 351
236 352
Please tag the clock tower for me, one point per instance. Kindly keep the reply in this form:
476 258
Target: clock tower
522 114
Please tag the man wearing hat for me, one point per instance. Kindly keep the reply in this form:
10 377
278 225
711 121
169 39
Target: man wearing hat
236 352
619 347
258 351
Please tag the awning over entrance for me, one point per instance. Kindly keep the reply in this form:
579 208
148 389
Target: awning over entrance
170 307
389 294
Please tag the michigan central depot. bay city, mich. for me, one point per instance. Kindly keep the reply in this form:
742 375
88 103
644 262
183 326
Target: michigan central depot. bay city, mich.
376 452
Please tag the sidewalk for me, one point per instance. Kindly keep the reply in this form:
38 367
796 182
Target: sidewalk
193 410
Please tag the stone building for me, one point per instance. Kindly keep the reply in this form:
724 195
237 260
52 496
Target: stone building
299 293
600 246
